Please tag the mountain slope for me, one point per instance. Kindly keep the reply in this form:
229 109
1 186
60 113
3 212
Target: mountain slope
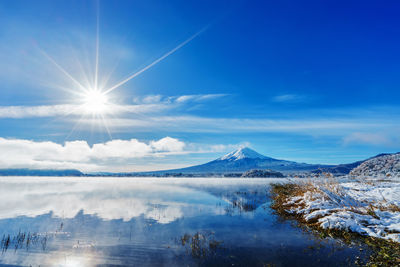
344 169
381 165
245 159
341 169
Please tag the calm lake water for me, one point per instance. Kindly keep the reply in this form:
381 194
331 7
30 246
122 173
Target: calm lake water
57 221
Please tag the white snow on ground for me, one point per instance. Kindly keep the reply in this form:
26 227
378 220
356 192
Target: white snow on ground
369 206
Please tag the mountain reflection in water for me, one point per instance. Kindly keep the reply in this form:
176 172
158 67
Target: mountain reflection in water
152 221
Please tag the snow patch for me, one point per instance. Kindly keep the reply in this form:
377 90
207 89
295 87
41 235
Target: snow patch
242 153
369 207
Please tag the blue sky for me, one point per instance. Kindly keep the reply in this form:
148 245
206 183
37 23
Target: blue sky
311 81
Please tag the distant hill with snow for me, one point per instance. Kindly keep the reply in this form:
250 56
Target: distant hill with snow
245 159
381 165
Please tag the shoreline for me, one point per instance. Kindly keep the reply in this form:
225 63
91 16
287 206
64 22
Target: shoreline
296 201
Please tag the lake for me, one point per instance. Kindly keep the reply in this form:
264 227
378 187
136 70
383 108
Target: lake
57 221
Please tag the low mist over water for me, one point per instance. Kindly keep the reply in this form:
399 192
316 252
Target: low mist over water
151 221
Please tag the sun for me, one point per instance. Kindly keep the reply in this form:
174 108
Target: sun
93 96
95 101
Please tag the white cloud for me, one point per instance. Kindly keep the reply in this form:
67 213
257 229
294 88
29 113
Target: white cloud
145 105
18 112
35 111
148 99
288 98
19 153
115 155
167 144
154 99
369 139
332 127
197 98
218 148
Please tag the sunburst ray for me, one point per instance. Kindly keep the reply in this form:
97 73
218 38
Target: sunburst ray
156 61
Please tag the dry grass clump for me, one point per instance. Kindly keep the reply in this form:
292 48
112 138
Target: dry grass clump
392 207
281 193
23 240
292 198
200 245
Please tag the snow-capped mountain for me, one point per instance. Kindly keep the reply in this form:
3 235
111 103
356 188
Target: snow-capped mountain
245 159
242 153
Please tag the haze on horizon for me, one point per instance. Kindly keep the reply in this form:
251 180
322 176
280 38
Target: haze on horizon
149 85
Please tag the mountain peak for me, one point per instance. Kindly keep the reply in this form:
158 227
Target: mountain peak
242 153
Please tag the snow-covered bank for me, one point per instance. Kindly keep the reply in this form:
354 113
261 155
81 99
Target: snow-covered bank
369 206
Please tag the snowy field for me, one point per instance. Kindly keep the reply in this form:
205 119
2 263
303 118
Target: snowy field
369 206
